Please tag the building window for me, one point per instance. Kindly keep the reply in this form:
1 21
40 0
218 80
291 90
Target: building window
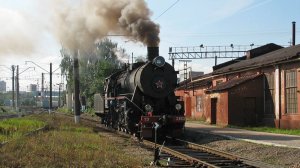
269 93
199 104
291 91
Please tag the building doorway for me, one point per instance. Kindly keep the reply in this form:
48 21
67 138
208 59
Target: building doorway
214 110
250 111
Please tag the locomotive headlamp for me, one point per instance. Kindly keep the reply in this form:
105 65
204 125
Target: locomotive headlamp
148 108
178 107
159 61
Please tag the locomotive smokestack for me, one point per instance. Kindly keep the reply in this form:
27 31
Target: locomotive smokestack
294 34
152 53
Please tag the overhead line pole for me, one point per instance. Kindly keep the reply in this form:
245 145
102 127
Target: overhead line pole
17 89
50 104
76 88
50 72
13 86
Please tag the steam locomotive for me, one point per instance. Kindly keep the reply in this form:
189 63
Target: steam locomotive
140 99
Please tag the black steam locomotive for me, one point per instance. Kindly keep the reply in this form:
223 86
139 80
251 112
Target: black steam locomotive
141 97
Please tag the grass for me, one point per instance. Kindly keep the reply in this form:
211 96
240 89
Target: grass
70 145
201 120
271 130
259 129
16 127
64 110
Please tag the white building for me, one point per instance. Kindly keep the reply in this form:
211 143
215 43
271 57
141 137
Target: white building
2 86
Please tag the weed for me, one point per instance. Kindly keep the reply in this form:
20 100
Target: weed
16 127
68 145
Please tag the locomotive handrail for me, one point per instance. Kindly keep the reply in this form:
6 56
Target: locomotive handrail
135 105
124 97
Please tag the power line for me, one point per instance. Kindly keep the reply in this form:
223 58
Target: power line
167 9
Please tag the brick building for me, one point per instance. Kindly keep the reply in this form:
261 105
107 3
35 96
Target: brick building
261 88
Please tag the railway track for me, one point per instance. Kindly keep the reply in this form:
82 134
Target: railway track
180 153
23 112
7 116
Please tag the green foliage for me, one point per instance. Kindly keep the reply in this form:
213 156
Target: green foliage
90 112
94 67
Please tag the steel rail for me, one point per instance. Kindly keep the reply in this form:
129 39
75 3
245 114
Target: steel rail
237 159
193 161
209 150
180 155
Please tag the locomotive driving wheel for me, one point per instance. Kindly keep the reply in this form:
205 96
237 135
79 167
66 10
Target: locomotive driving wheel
131 121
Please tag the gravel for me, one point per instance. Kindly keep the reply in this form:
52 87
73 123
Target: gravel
276 156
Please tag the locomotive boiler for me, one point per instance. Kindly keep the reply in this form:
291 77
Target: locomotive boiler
141 96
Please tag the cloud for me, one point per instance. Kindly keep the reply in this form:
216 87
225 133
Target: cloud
256 5
229 8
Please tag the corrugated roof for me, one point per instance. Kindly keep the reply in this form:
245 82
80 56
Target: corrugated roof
270 58
232 83
255 52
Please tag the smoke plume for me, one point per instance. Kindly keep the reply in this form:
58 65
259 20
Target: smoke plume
79 25
17 33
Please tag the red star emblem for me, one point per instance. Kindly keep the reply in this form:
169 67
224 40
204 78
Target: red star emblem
159 84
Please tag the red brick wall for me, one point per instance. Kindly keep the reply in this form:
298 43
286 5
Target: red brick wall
234 112
222 108
240 97
190 103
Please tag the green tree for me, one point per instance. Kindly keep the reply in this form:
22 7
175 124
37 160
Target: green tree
94 67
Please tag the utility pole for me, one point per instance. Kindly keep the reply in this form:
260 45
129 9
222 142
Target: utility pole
42 89
50 103
76 88
59 95
13 86
17 89
50 88
185 71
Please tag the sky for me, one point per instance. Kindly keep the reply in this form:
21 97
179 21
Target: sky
182 23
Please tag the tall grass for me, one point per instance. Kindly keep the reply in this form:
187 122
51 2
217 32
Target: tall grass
15 127
71 145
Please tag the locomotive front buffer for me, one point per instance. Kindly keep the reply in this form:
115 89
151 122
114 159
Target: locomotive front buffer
168 126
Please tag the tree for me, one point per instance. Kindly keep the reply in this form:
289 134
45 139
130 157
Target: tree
94 67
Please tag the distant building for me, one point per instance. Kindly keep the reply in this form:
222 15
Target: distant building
32 88
2 86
